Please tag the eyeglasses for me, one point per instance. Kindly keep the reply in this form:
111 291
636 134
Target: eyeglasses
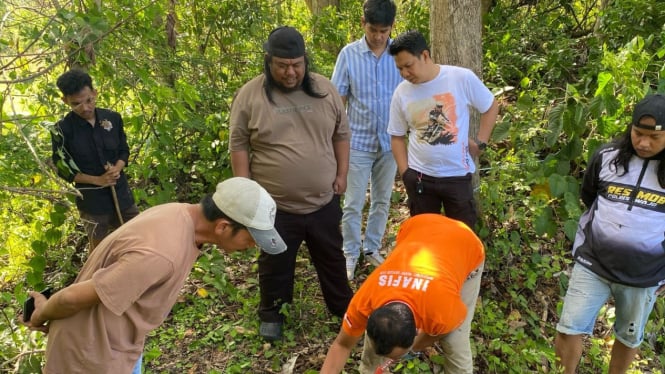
91 100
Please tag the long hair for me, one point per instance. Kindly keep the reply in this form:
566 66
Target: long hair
626 151
307 81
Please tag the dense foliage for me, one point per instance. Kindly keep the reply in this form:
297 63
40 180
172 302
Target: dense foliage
566 72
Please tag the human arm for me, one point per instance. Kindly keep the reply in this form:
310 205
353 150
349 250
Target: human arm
109 178
591 179
339 352
398 145
340 76
341 149
65 167
487 123
77 162
114 151
115 169
240 163
62 304
423 341
239 136
123 147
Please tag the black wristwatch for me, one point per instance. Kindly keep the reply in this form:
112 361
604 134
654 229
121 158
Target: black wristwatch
481 145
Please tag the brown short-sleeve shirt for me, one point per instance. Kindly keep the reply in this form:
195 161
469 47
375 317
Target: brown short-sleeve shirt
290 141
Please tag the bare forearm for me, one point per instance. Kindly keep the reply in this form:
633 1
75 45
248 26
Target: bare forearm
423 341
88 179
65 303
339 352
487 122
240 163
335 359
342 149
398 145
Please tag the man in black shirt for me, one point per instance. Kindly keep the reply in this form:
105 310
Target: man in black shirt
90 149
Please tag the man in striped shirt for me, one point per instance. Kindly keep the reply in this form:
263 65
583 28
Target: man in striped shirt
365 76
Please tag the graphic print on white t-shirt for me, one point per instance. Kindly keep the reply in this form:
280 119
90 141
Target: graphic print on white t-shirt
441 125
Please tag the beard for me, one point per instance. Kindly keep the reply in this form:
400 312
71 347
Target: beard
285 89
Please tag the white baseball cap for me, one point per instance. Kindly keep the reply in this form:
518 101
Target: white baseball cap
246 202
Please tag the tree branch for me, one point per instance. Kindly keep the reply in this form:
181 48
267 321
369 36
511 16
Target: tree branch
77 50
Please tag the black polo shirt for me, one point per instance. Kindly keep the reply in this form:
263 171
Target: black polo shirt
78 146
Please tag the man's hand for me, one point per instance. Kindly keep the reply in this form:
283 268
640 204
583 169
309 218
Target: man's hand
110 178
115 169
112 174
339 185
36 323
62 304
423 341
473 148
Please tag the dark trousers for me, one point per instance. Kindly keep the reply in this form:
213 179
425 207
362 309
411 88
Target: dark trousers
99 226
320 230
455 194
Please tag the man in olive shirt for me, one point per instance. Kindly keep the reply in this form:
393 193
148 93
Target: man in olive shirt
294 125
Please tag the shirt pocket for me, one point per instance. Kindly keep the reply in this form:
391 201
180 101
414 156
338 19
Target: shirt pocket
111 140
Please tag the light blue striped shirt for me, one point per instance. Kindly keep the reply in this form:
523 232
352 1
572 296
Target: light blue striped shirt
368 84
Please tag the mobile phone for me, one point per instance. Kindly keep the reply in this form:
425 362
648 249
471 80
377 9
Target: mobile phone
29 305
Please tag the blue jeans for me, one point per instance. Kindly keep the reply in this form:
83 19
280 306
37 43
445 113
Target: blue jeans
378 169
137 367
587 293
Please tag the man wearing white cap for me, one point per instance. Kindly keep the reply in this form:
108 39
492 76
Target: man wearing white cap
132 279
618 248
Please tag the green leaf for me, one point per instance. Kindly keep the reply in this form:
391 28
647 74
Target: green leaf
57 219
525 101
558 185
60 207
605 80
37 263
53 235
39 247
544 223
34 279
502 130
555 124
572 149
570 229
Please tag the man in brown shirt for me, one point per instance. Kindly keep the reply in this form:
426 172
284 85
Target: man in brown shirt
293 125
132 279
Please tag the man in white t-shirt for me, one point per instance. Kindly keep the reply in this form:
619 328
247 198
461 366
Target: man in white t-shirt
432 104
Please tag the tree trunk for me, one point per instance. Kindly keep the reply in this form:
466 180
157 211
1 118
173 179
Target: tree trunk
316 6
485 6
456 39
455 29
